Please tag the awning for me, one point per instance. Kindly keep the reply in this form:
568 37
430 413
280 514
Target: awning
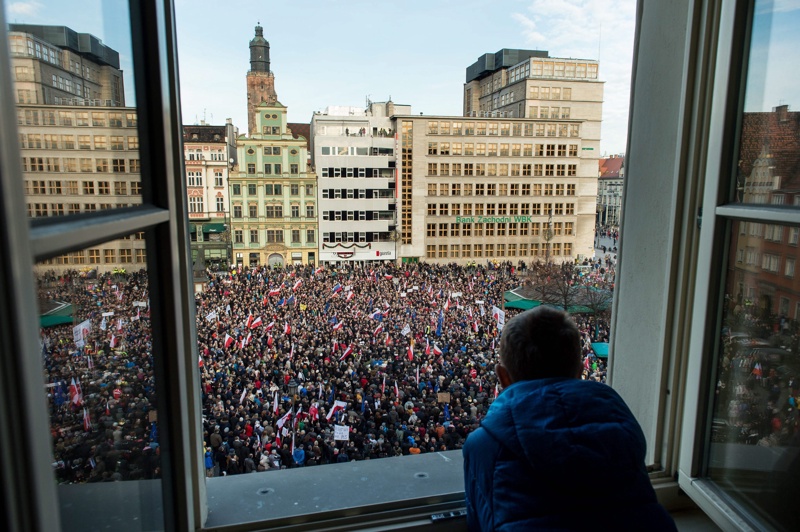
213 228
600 349
52 321
523 304
512 296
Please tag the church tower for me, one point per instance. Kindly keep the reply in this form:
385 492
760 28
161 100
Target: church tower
260 81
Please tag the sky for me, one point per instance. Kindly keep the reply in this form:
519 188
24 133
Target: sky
342 52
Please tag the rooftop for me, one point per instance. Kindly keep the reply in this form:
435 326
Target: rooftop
84 44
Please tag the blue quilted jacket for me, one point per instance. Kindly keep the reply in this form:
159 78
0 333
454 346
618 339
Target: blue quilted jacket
559 454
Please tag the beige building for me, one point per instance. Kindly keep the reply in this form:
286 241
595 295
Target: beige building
482 189
78 160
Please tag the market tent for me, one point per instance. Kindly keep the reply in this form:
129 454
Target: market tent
55 313
52 321
600 349
523 304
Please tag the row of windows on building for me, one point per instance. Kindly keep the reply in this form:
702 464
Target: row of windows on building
514 150
274 168
502 169
273 211
47 117
353 236
498 229
82 164
199 155
386 173
769 262
38 210
339 216
93 256
500 209
356 150
504 129
523 249
769 232
194 178
357 193
197 204
273 189
84 142
501 189
274 236
86 188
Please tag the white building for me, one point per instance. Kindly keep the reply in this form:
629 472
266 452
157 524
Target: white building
354 155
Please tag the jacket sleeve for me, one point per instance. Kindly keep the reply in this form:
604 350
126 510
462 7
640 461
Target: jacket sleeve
479 452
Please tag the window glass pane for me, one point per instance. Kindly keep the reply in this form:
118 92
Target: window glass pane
76 113
754 438
99 380
767 169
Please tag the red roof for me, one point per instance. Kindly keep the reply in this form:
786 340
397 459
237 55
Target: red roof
610 167
777 134
300 130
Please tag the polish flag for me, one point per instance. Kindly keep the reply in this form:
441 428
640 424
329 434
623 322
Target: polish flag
447 304
228 340
378 330
247 339
297 284
410 352
275 404
436 350
200 362
388 277
427 347
113 342
270 325
338 326
108 410
87 421
274 292
496 390
287 329
270 340
346 352
388 339
249 320
350 296
396 390
475 326
264 301
335 346
256 322
313 412
282 421
291 353
337 405
73 392
318 270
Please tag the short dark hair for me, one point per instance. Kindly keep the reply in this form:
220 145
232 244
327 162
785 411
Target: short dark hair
540 343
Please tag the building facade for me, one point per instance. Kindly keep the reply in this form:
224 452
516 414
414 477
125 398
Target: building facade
609 190
208 156
494 189
55 65
273 195
354 155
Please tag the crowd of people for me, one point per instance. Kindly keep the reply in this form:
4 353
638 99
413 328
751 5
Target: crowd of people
298 366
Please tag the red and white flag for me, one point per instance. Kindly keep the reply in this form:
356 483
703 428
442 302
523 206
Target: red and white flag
338 326
241 397
337 405
436 350
346 352
287 329
200 362
475 325
256 322
496 390
427 347
270 325
119 324
274 292
335 345
282 421
388 339
270 340
313 412
378 330
87 421
113 342
350 296
108 410
249 320
275 404
247 339
318 270
396 390
447 304
410 352
383 386
228 340
291 352
297 284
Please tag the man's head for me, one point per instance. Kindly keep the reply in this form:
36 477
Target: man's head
539 344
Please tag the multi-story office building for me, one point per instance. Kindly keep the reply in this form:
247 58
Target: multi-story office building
609 190
79 159
209 153
530 84
354 154
55 65
80 147
273 195
490 188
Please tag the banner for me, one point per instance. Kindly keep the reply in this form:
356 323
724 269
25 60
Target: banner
342 433
80 332
500 316
107 314
406 330
211 315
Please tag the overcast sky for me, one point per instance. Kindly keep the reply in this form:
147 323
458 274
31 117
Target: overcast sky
341 52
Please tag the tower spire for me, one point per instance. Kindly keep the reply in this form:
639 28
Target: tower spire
259 51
